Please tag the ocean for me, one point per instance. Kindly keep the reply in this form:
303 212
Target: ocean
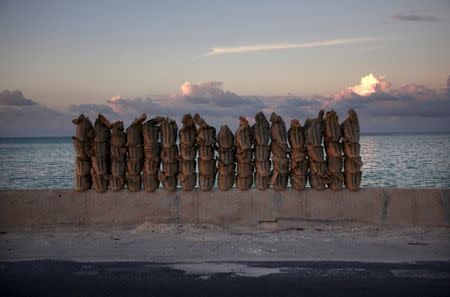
390 160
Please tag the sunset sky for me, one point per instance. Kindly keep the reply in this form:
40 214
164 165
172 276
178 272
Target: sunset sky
390 60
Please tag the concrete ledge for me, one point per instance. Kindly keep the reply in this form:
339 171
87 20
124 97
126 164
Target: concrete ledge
380 207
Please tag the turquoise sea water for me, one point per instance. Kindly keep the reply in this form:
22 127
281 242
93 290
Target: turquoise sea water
394 160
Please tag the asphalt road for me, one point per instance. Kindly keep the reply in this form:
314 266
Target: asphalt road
63 278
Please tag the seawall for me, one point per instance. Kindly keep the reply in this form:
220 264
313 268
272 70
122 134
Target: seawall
383 207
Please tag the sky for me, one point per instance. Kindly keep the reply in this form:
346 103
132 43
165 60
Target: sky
389 60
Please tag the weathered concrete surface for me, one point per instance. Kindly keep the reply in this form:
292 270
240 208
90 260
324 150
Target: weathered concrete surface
380 207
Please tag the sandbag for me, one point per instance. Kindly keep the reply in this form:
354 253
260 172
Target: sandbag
118 168
101 149
261 130
187 181
350 128
151 166
150 181
118 153
206 152
170 154
262 182
151 131
317 167
226 156
118 136
169 131
334 165
82 167
334 149
298 182
352 181
134 182
278 131
299 168
188 133
83 150
263 168
279 150
279 181
134 166
99 182
188 167
116 183
170 168
245 169
353 166
243 136
206 135
244 183
298 154
225 182
207 167
313 130
317 182
188 152
335 181
262 153
169 182
296 135
225 138
226 169
244 156
84 130
102 129
206 183
280 165
315 152
100 165
332 129
134 132
152 151
352 150
82 182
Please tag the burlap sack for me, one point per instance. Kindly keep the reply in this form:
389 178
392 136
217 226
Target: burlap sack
244 183
334 165
263 168
279 181
318 168
188 133
134 132
225 138
100 182
135 152
187 181
299 168
261 130
206 183
101 149
313 130
315 152
118 167
170 154
188 167
243 136
102 129
317 182
134 182
206 135
262 182
206 152
134 166
188 152
83 150
279 150
225 182
100 165
352 150
226 156
118 153
280 165
335 181
116 183
169 132
170 168
226 169
350 128
169 182
153 151
278 131
207 167
262 153
82 167
352 166
118 136
150 181
352 181
334 149
151 131
298 182
151 166
296 135
82 182
298 154
332 129
245 169
244 156
84 130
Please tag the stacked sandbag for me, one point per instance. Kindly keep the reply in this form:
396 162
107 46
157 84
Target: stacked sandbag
188 153
117 178
206 141
261 138
152 154
280 151
135 158
227 164
101 159
83 142
333 147
169 155
352 148
299 164
244 155
317 168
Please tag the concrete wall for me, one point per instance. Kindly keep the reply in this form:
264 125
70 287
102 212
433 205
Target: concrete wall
381 207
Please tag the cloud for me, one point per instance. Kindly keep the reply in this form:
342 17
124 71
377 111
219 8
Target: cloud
15 98
281 46
414 18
